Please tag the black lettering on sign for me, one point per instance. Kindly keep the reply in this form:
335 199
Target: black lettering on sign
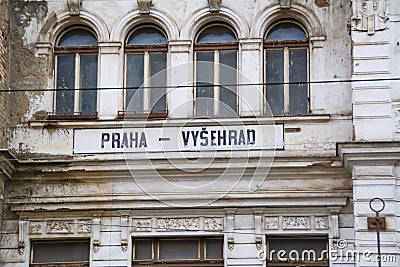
105 137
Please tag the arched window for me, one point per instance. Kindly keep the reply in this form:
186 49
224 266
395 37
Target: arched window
145 77
286 69
216 50
76 73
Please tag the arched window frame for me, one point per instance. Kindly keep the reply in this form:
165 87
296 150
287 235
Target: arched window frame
288 107
146 50
216 48
78 108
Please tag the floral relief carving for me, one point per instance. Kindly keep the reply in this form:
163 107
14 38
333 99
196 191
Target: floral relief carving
213 224
321 222
59 227
84 226
178 224
35 227
141 225
369 15
301 222
271 222
397 120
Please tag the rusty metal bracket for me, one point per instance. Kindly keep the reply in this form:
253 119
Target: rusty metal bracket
372 223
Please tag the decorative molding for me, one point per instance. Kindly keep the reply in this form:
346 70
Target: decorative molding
321 223
35 228
144 6
271 222
396 116
300 222
231 243
214 5
369 15
21 236
74 7
84 226
141 225
213 224
124 230
285 3
59 227
178 224
96 221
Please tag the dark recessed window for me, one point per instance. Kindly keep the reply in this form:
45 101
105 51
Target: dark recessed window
297 251
216 50
191 251
286 69
76 73
60 253
145 71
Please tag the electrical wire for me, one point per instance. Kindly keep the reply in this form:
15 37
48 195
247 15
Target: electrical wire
202 85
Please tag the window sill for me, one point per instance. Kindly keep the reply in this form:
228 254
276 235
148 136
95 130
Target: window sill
122 115
157 121
71 117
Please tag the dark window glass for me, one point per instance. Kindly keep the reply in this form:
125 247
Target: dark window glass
298 98
275 78
205 84
228 76
308 249
77 72
65 95
286 31
158 64
179 249
134 81
143 249
88 81
147 35
60 251
78 37
216 34
214 248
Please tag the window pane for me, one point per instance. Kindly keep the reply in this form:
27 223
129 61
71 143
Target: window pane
214 248
134 80
65 80
205 84
286 31
143 249
88 79
78 37
158 63
147 35
65 251
179 249
315 246
298 73
274 94
228 75
216 34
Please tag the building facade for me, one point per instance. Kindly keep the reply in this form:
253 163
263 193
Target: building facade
200 133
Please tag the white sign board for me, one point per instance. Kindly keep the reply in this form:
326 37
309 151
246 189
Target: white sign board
172 139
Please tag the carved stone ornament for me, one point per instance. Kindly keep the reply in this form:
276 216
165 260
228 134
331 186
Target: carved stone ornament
141 225
84 226
369 15
176 224
213 224
321 222
144 6
35 227
301 222
271 223
285 3
74 7
397 120
59 227
214 5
